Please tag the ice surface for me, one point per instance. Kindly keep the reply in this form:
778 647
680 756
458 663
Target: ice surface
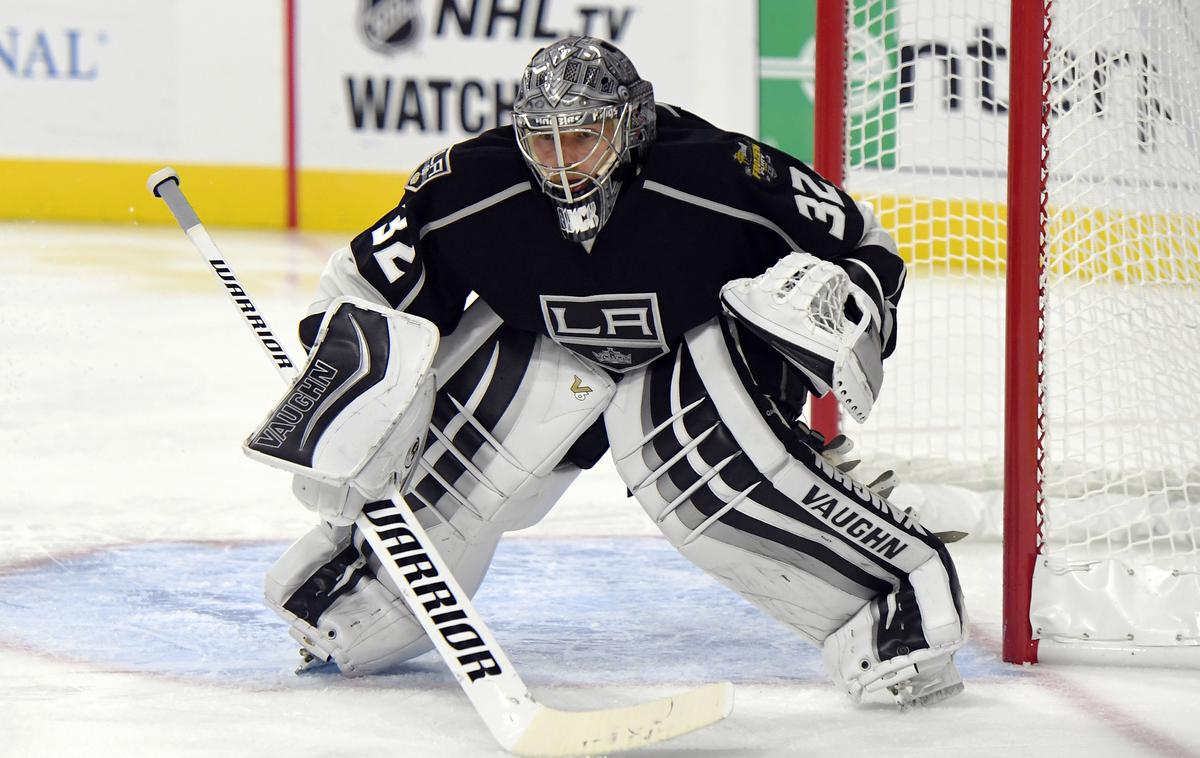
134 534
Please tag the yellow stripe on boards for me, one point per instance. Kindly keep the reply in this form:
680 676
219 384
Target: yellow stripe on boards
934 235
346 201
223 195
939 236
968 238
1124 246
116 191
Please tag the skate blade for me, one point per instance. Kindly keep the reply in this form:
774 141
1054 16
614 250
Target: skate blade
931 698
308 662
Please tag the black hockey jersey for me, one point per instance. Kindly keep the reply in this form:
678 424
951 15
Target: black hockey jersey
706 206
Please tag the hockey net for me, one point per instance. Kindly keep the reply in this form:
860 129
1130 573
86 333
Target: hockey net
1118 430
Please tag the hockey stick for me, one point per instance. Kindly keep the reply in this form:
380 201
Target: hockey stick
518 722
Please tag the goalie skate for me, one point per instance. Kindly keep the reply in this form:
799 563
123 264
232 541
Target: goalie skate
896 646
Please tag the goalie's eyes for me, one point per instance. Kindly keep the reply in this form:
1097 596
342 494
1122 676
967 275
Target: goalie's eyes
576 147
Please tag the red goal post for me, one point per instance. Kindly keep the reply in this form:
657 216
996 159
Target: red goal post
1039 166
1027 125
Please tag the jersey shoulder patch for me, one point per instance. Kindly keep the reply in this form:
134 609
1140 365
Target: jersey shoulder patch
433 167
756 162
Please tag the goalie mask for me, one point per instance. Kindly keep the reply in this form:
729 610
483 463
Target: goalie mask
582 117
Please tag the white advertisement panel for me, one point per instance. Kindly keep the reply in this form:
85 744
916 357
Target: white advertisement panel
70 73
142 80
928 91
384 83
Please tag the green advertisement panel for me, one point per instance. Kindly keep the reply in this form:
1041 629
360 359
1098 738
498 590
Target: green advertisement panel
787 51
786 47
872 86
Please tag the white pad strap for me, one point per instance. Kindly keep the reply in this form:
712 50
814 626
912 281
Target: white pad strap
798 306
358 412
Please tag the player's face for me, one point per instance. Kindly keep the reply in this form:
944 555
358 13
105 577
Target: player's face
572 156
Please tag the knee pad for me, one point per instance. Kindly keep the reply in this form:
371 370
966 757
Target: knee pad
510 407
745 499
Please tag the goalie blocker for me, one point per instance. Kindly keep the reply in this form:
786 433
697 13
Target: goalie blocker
355 418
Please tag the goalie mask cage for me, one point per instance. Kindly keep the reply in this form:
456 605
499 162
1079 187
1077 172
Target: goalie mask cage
1039 167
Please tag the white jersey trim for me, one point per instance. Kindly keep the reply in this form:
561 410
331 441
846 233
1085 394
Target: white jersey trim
474 208
867 269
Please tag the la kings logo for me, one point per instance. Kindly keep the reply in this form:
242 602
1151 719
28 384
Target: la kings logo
431 168
620 332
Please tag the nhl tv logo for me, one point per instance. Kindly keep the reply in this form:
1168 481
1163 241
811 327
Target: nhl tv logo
389 26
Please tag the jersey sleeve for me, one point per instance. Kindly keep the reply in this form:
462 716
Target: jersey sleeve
817 217
874 264
389 265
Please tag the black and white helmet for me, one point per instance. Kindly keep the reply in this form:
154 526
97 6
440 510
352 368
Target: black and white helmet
582 117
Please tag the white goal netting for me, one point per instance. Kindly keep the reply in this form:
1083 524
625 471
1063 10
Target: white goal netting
926 142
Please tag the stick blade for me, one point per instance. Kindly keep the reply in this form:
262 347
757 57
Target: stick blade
561 733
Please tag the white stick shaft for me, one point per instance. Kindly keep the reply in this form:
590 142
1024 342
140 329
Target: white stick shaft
166 186
517 721
445 612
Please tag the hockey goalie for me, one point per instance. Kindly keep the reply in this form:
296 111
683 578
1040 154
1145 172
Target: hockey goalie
649 286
